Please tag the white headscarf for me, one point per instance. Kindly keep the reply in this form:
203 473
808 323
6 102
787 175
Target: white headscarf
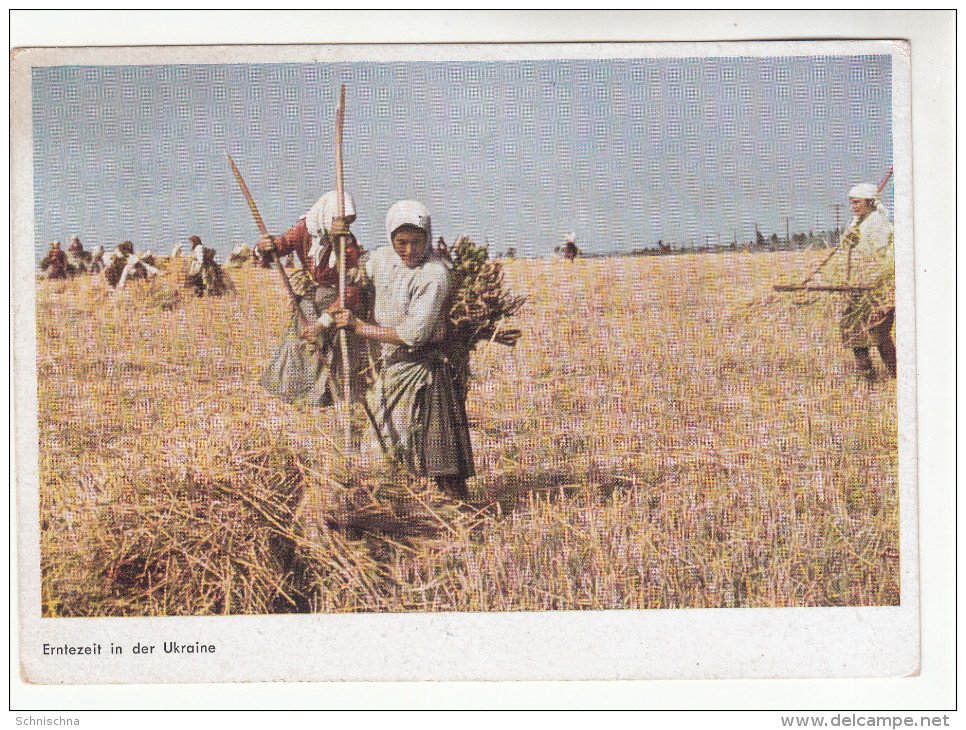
409 213
863 191
319 218
318 221
868 191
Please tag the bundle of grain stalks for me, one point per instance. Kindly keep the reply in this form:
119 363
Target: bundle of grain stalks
355 527
240 256
481 304
251 527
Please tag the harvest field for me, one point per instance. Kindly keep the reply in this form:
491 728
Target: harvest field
667 433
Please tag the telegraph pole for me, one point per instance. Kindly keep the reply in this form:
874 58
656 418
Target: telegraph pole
788 235
838 227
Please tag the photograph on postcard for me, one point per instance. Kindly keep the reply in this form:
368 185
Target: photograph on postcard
492 329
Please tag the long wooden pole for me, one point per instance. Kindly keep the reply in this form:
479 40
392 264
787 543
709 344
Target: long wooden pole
343 343
883 183
303 320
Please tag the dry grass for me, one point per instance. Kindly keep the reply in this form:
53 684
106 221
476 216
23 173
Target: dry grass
668 432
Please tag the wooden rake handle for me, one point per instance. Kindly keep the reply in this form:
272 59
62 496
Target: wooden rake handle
303 320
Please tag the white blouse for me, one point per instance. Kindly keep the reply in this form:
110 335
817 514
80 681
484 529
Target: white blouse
411 301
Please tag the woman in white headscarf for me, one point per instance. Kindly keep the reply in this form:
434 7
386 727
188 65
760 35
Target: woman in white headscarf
569 250
205 277
310 239
869 315
296 371
415 411
126 265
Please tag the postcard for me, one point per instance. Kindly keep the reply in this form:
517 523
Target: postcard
465 362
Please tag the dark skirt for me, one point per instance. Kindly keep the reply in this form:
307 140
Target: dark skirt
309 373
445 444
417 417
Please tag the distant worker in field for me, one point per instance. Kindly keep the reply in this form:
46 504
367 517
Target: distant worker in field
870 259
54 264
125 265
78 260
177 251
416 407
297 371
569 250
205 277
97 260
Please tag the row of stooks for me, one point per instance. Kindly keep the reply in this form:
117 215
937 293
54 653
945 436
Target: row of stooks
481 302
204 277
480 306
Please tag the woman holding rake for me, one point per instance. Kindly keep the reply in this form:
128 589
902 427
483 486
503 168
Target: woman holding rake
869 315
416 413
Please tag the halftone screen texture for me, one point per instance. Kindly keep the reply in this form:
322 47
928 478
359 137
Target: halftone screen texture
624 152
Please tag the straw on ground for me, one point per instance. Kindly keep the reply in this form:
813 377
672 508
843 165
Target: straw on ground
667 432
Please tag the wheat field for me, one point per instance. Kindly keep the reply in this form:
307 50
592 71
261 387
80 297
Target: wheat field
667 433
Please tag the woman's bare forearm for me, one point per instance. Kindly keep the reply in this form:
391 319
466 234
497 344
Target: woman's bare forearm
375 332
345 318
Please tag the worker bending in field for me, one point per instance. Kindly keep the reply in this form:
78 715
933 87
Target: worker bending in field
205 277
869 315
297 371
569 250
417 414
240 255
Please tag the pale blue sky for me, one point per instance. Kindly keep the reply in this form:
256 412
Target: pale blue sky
623 151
